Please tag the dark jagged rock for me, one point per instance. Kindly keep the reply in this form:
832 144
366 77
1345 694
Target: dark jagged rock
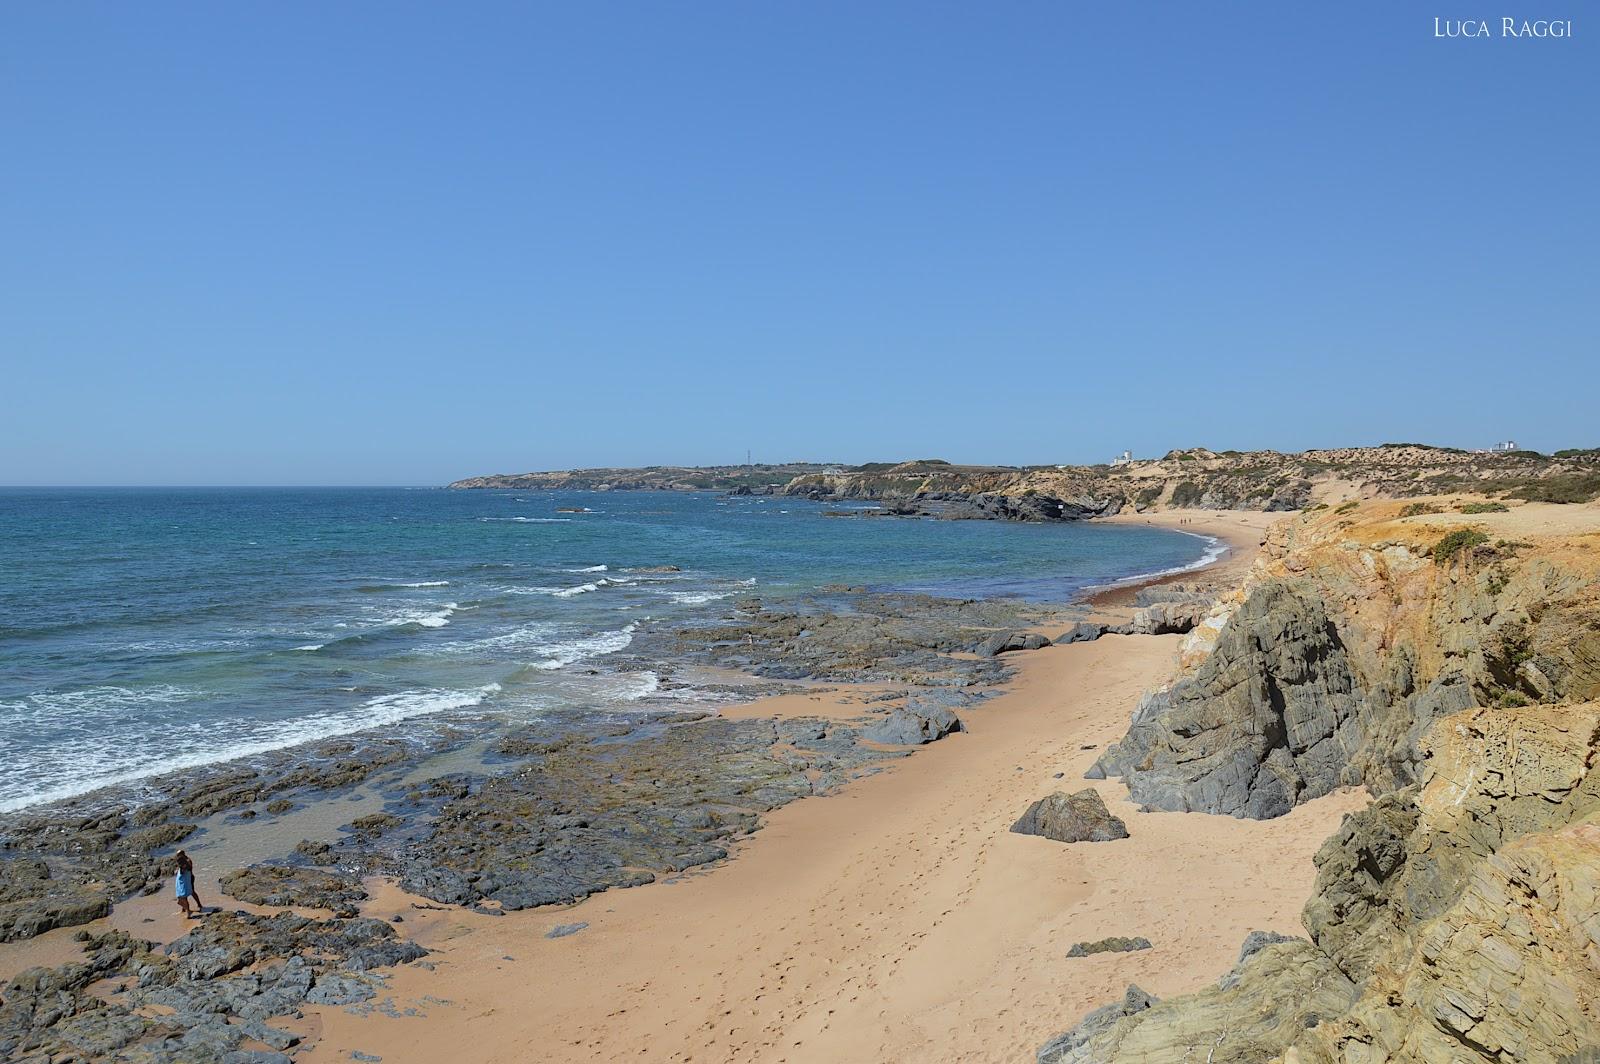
202 998
68 863
1157 594
1080 817
1005 643
1166 618
893 638
913 726
282 885
1083 632
590 814
563 930
1114 944
1267 720
1070 1047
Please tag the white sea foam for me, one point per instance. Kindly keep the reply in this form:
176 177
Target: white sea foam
400 585
588 569
1215 548
530 520
43 705
696 598
533 637
435 620
432 617
581 589
182 646
89 763
312 646
560 655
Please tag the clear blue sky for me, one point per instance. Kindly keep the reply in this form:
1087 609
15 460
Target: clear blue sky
402 243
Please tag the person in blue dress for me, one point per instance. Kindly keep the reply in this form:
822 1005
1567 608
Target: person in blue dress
185 887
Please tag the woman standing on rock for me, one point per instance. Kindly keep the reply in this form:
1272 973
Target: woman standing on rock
185 886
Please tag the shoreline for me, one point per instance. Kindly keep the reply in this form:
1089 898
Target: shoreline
894 919
121 787
1015 720
897 917
1242 533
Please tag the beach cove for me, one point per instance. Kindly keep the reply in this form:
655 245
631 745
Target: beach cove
898 918
896 912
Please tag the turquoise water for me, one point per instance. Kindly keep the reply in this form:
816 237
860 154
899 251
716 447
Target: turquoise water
143 630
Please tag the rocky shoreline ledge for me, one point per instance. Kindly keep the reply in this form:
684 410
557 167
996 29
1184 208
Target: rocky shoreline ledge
527 816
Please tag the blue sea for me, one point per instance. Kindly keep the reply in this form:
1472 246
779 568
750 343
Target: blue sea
145 630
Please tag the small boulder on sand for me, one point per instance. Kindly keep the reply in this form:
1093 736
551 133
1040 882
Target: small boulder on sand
913 725
1114 944
1081 817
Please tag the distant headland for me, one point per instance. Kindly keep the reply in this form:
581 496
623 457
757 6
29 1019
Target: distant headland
1192 478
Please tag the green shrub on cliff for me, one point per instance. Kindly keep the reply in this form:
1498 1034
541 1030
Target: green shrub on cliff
1564 487
1187 494
1415 509
1483 508
1459 540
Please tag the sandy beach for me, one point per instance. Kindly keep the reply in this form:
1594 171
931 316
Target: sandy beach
898 919
1241 531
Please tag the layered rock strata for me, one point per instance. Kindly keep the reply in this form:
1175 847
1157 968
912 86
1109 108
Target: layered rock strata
1456 918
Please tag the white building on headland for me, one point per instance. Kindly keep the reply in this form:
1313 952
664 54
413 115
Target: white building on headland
1125 458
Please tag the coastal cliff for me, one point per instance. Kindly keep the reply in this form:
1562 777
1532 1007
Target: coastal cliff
1450 663
1194 478
751 478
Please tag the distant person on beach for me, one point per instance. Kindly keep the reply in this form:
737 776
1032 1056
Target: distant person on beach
184 881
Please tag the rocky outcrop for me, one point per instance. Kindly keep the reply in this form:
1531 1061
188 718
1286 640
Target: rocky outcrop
1072 1046
881 637
1007 642
205 998
1114 944
284 885
913 725
1273 996
1080 817
1509 972
1454 918
1266 721
1343 651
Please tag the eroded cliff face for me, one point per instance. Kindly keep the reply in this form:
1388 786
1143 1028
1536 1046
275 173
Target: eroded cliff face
1457 918
1347 643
